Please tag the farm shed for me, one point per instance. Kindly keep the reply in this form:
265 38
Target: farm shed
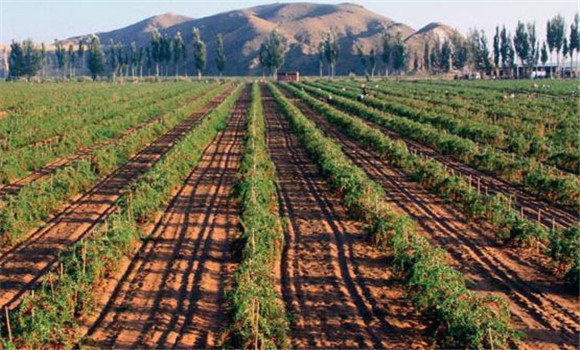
289 76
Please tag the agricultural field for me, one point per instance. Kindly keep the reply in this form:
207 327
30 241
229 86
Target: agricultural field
315 214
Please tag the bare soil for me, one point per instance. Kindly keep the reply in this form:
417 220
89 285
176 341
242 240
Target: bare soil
338 289
541 306
172 295
23 266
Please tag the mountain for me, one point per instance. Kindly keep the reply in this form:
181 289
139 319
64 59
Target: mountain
430 33
139 32
303 25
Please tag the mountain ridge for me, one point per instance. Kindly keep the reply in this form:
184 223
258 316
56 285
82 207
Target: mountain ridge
303 25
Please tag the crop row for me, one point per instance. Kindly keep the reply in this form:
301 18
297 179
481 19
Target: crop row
55 115
531 133
52 315
529 174
258 317
509 227
435 288
35 202
481 132
18 162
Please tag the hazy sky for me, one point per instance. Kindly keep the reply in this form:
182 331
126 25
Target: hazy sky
45 20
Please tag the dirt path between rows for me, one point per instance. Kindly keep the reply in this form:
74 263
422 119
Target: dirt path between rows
14 187
22 266
540 306
551 215
338 290
173 292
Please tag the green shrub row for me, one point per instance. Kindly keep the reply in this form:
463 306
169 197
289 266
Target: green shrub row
18 162
520 136
50 317
465 318
507 222
563 190
37 201
258 316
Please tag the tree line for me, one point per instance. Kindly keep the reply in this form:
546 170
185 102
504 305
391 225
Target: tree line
508 53
27 59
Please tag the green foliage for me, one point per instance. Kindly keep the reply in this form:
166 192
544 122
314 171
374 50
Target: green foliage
25 59
35 202
96 60
272 52
220 53
199 52
51 316
259 319
466 319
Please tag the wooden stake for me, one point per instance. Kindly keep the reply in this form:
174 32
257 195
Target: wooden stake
470 182
8 323
553 224
539 214
490 338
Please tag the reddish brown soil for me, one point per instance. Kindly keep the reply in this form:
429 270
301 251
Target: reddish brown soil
541 308
22 266
551 215
17 185
338 290
172 295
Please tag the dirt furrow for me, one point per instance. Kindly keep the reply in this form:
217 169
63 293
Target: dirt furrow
22 266
173 293
338 289
540 306
17 185
551 215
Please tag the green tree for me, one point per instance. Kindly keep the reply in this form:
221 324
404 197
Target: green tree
332 51
522 43
373 61
460 53
496 47
574 42
479 51
44 59
166 52
435 57
61 57
25 59
81 54
272 52
399 54
220 54
544 54
199 52
445 58
179 51
426 57
505 44
534 46
321 56
133 58
141 55
556 34
363 59
156 50
96 59
387 54
72 58
114 62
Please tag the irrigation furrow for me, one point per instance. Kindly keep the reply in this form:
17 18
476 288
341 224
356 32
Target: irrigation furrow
337 288
172 295
551 215
15 186
540 309
23 266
